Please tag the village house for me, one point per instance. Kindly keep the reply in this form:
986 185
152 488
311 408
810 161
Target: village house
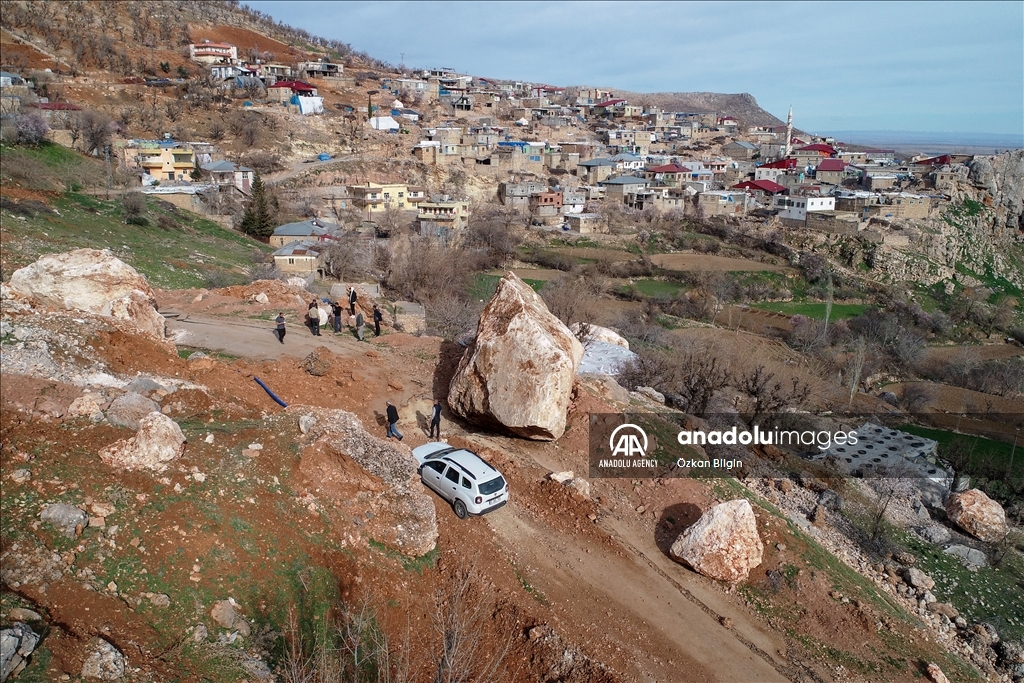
671 175
213 53
226 174
595 170
300 257
586 223
312 230
741 149
283 91
795 208
722 203
573 200
761 190
620 187
442 217
546 206
831 171
517 194
811 155
166 162
322 69
626 163
853 157
377 197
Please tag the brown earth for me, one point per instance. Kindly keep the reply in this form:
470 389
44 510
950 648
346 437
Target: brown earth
710 263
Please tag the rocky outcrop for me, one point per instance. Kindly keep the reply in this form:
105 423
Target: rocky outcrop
225 614
158 441
723 544
405 517
68 518
978 515
518 373
94 281
16 645
999 183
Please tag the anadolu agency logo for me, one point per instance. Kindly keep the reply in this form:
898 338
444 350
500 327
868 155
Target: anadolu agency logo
628 443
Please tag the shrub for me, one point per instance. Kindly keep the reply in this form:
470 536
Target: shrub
133 206
31 128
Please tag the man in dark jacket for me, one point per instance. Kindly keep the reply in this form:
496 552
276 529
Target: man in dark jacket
377 317
435 419
336 312
392 421
314 318
280 327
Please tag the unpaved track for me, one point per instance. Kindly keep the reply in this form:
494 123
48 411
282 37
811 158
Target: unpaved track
658 621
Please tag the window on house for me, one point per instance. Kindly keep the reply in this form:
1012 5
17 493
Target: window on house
374 206
291 262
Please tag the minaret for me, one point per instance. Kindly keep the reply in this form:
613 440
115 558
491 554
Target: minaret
789 133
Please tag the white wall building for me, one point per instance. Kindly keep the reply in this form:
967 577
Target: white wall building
796 207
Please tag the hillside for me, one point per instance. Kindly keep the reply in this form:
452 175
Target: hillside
741 105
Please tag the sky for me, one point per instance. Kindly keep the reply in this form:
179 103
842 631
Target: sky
918 66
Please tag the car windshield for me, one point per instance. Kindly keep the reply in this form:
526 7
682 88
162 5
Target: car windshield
492 486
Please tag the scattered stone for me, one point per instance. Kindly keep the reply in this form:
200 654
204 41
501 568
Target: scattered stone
928 597
45 406
262 298
94 281
918 579
225 614
781 547
16 645
200 633
101 509
935 673
103 661
725 621
144 385
196 355
818 515
784 485
651 393
944 609
600 334
23 614
968 555
159 599
209 438
723 544
69 519
21 476
158 441
519 371
936 534
562 477
127 410
978 515
306 423
580 486
318 362
905 558
830 500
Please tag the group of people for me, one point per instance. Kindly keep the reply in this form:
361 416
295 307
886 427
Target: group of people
335 317
435 420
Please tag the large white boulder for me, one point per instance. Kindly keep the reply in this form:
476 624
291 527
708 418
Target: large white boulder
94 281
158 441
518 373
723 544
601 334
978 515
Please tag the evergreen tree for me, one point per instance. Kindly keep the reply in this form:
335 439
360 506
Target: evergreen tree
257 220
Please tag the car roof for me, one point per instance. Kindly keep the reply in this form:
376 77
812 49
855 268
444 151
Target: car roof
469 462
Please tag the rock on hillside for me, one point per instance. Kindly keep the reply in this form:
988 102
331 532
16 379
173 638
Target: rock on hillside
998 182
519 372
158 441
978 515
723 543
741 105
94 281
414 527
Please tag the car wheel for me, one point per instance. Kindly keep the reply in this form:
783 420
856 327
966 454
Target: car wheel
460 509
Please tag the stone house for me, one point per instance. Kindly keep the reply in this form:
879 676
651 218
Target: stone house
722 203
594 170
586 223
299 258
741 149
378 197
311 230
442 217
517 194
226 174
796 207
831 171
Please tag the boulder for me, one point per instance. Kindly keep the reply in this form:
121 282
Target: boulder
723 544
651 393
68 518
127 410
103 661
16 645
86 405
518 373
936 534
158 441
94 281
601 334
225 614
918 579
967 555
410 525
978 515
935 674
944 609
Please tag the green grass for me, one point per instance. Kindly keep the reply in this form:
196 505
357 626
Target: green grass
655 288
409 563
483 285
813 309
177 256
985 451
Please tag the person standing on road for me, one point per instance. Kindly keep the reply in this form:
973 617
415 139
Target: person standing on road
280 327
435 419
392 421
314 318
377 317
351 300
336 312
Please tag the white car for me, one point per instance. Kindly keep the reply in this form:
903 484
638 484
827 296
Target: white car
463 478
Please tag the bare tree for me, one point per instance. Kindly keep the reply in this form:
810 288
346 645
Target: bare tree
573 298
857 365
347 258
96 129
770 394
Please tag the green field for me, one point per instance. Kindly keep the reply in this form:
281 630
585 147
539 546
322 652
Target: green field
986 453
656 288
814 309
483 285
176 249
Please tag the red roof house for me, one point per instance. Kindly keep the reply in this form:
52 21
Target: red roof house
781 163
823 149
832 165
766 186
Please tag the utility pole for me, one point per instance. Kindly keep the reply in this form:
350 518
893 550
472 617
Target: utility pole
369 103
1009 469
